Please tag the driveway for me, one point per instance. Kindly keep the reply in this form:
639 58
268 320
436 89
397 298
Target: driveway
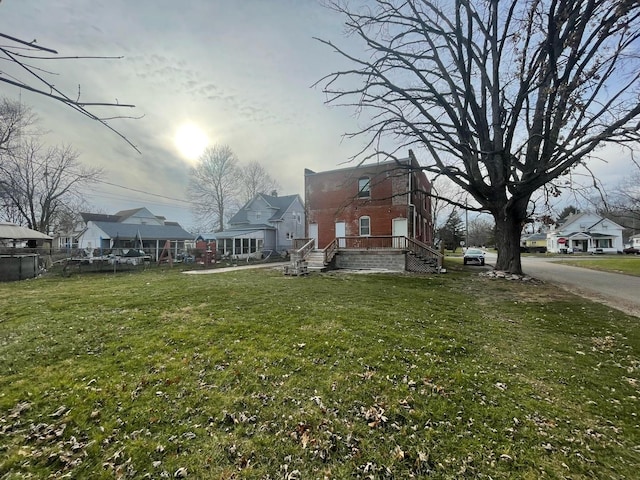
614 289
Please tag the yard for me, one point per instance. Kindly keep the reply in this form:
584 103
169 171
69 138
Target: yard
257 375
627 264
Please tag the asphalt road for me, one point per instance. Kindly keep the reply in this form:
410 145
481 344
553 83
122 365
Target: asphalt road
614 289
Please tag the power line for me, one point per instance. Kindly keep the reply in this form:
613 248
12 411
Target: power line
144 192
40 164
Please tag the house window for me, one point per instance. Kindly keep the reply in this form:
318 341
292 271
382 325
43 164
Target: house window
258 215
364 187
365 226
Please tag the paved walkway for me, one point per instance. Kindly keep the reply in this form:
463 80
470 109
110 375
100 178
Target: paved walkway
274 265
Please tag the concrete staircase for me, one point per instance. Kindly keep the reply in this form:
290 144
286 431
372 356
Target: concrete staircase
315 261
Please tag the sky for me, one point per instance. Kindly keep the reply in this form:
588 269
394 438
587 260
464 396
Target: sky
239 72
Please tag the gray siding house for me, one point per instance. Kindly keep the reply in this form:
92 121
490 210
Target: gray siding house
266 224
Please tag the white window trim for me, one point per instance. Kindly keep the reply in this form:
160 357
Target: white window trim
368 225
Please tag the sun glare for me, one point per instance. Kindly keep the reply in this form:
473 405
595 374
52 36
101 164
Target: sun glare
190 141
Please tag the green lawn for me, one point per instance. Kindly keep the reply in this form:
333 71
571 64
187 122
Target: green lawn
257 375
627 264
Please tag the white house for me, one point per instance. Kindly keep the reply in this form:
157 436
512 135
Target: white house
634 241
136 228
585 232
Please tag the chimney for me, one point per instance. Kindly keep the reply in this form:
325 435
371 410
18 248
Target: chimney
274 193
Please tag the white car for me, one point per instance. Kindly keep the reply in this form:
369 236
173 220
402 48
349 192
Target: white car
473 255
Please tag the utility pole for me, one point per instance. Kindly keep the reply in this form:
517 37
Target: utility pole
466 221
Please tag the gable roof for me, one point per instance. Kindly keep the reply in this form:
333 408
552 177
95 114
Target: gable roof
279 205
119 216
282 204
98 217
123 214
571 219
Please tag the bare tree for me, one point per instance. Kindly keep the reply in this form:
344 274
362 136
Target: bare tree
15 120
25 65
213 185
505 96
443 191
40 182
479 232
256 179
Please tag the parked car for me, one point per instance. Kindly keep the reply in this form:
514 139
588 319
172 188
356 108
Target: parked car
473 255
632 250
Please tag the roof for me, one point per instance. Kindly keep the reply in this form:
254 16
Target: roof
577 216
147 232
118 216
535 236
360 166
206 236
123 214
242 231
279 204
12 231
98 217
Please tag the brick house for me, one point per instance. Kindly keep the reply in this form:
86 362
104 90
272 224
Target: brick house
381 199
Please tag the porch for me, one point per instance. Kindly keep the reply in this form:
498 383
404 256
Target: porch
392 253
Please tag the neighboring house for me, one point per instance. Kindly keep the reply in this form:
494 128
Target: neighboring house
136 228
381 199
267 223
585 232
534 242
634 241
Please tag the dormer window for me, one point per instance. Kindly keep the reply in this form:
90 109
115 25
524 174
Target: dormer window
364 187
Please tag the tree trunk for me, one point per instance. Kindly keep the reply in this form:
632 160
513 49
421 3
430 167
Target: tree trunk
508 231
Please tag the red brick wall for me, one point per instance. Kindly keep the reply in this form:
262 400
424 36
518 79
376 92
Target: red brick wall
332 197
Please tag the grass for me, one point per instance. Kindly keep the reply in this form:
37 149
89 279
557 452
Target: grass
256 375
629 265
